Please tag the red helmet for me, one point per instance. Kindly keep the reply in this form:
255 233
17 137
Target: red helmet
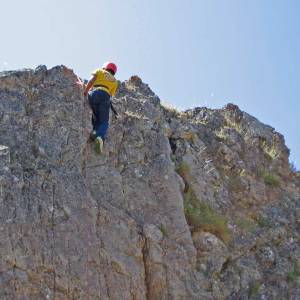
110 66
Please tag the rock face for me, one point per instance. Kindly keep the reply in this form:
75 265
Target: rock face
199 204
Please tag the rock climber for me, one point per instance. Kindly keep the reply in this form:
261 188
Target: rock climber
99 89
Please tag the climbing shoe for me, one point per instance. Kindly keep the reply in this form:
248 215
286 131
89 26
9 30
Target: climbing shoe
99 145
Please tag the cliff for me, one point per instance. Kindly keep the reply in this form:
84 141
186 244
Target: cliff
200 204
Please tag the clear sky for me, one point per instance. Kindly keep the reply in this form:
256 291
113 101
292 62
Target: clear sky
191 53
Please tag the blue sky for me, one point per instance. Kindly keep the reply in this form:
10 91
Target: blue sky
191 53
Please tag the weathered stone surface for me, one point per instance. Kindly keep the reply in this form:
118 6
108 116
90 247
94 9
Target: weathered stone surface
199 204
4 156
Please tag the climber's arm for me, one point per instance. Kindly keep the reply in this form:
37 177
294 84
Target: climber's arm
89 84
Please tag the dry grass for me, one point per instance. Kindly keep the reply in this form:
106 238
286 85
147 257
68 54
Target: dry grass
173 111
270 151
234 125
133 115
221 134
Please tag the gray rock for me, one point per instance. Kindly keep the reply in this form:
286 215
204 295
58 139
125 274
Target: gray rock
4 156
182 205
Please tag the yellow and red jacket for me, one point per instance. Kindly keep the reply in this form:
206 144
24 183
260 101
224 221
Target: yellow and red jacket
105 81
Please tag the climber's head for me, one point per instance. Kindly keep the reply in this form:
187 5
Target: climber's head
110 67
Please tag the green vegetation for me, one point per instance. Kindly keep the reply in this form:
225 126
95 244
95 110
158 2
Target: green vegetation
254 288
246 224
184 171
269 178
198 214
163 230
264 222
173 157
295 273
201 216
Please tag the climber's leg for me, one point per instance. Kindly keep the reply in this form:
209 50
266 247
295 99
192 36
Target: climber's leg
100 104
102 129
102 114
93 106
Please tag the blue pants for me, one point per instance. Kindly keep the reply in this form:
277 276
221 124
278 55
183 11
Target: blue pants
99 102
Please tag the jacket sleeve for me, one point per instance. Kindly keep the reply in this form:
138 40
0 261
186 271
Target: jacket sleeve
114 90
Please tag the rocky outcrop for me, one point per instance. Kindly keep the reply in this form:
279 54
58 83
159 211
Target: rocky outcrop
199 204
